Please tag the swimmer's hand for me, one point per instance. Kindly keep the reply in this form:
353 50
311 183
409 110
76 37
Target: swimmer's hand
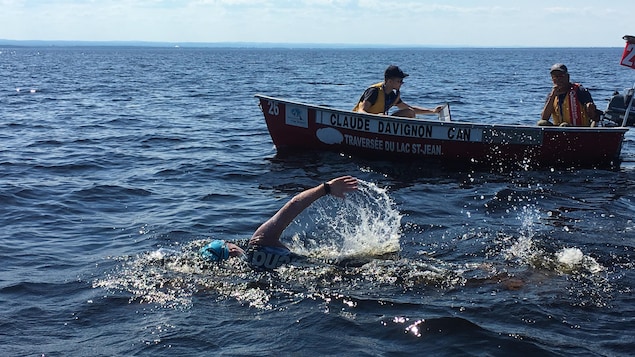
339 186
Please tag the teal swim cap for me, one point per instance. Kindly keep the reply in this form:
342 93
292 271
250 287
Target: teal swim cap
215 250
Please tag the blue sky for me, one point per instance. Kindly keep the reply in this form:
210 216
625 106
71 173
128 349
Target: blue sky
489 23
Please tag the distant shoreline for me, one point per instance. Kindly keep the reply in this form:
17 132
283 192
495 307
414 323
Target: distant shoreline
45 43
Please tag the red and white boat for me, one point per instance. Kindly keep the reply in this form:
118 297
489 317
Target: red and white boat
293 125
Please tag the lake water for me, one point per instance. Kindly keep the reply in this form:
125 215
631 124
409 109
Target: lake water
118 163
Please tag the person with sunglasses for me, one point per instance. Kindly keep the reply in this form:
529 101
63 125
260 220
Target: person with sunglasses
380 97
570 104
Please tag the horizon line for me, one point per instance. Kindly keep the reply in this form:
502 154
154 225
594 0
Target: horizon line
244 44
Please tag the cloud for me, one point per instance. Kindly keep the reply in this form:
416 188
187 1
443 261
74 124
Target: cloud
447 23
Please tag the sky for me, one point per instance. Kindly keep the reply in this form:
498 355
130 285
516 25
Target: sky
453 23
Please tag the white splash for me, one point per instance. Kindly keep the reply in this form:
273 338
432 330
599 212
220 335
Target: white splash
570 257
366 224
573 259
566 260
523 248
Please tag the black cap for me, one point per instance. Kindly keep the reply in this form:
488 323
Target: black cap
560 68
394 72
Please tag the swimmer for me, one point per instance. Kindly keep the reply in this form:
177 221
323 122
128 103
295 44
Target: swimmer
265 251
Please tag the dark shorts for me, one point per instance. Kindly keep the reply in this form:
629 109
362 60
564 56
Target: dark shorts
266 257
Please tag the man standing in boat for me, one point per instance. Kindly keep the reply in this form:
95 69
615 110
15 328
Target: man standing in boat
569 104
380 97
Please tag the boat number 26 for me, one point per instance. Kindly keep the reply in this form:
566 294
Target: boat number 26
273 107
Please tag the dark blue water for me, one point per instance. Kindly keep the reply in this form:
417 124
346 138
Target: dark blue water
116 164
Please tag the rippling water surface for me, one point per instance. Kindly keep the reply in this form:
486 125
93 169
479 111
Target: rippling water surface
117 164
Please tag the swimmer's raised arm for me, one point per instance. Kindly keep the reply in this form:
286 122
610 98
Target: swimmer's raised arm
269 232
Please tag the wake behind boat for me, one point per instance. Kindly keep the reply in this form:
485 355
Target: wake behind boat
293 125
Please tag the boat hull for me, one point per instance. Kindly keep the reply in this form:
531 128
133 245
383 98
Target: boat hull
294 125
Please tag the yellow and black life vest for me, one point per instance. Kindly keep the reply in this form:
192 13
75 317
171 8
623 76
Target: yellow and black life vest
379 107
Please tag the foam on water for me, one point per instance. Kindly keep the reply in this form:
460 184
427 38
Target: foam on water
528 251
573 259
352 244
356 230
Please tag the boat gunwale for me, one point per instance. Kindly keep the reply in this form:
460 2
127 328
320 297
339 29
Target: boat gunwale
455 123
